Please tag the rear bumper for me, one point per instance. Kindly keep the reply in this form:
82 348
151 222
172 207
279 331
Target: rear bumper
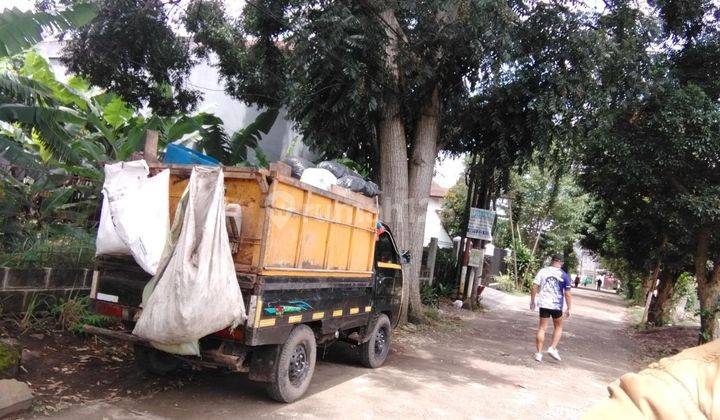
209 358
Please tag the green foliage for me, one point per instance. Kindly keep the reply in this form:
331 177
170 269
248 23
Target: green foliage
430 294
54 136
74 312
549 209
20 30
9 357
445 266
453 208
250 136
129 47
522 266
506 283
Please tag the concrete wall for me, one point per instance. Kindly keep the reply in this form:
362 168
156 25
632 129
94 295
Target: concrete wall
20 287
433 225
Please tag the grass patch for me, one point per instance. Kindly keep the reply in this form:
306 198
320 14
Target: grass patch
9 356
74 312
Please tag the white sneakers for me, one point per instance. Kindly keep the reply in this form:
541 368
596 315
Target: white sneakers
552 351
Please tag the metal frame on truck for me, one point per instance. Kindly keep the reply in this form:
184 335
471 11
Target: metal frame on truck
313 269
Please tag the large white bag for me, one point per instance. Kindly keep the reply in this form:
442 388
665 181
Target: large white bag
318 177
134 216
195 291
140 214
117 175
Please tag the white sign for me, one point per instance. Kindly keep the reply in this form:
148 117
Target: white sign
475 258
480 224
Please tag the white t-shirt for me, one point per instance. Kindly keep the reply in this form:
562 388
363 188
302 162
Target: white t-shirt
553 282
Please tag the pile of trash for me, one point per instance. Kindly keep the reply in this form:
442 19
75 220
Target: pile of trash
328 173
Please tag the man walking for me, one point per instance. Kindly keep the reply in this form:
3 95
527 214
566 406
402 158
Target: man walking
552 287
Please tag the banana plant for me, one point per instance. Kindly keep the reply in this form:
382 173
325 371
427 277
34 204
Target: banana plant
20 30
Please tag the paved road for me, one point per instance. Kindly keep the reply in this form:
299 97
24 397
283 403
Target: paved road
480 367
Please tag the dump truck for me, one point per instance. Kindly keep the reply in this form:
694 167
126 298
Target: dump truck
314 267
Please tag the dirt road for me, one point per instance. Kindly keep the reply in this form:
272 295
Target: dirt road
479 367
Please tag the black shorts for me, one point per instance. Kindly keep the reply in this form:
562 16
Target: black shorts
547 313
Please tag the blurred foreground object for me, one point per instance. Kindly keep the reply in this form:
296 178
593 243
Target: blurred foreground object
685 386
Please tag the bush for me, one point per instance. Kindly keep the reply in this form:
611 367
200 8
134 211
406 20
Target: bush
73 250
430 294
527 266
505 283
74 312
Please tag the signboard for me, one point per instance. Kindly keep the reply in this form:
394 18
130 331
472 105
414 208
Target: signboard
480 224
475 258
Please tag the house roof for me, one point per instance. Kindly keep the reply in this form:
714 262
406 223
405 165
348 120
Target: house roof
437 191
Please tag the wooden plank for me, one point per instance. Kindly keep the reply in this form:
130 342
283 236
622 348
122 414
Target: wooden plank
308 272
369 206
352 235
344 192
327 220
280 168
118 335
266 224
303 223
327 237
150 151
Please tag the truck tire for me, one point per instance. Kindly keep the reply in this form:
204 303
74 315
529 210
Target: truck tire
155 361
295 366
374 352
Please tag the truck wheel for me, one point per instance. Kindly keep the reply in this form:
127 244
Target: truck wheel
374 352
155 361
296 364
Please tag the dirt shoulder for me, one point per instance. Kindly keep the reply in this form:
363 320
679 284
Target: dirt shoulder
466 365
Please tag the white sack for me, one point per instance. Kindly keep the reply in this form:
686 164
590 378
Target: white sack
140 215
117 175
195 291
318 177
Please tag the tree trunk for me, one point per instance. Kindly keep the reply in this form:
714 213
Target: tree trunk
708 297
708 286
659 313
393 154
422 164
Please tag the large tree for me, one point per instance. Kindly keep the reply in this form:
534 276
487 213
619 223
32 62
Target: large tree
389 84
132 48
370 80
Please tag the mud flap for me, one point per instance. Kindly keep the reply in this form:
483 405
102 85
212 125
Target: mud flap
262 363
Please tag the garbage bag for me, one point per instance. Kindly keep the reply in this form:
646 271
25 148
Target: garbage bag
353 183
297 165
117 175
338 169
371 189
195 291
320 178
359 185
134 216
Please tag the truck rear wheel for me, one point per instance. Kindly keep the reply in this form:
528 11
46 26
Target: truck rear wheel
374 352
155 361
295 366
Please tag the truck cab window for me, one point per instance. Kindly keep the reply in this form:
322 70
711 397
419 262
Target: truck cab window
384 250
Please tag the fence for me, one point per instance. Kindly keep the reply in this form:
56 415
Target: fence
21 287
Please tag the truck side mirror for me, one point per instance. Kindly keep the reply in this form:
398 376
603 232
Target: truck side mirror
405 257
